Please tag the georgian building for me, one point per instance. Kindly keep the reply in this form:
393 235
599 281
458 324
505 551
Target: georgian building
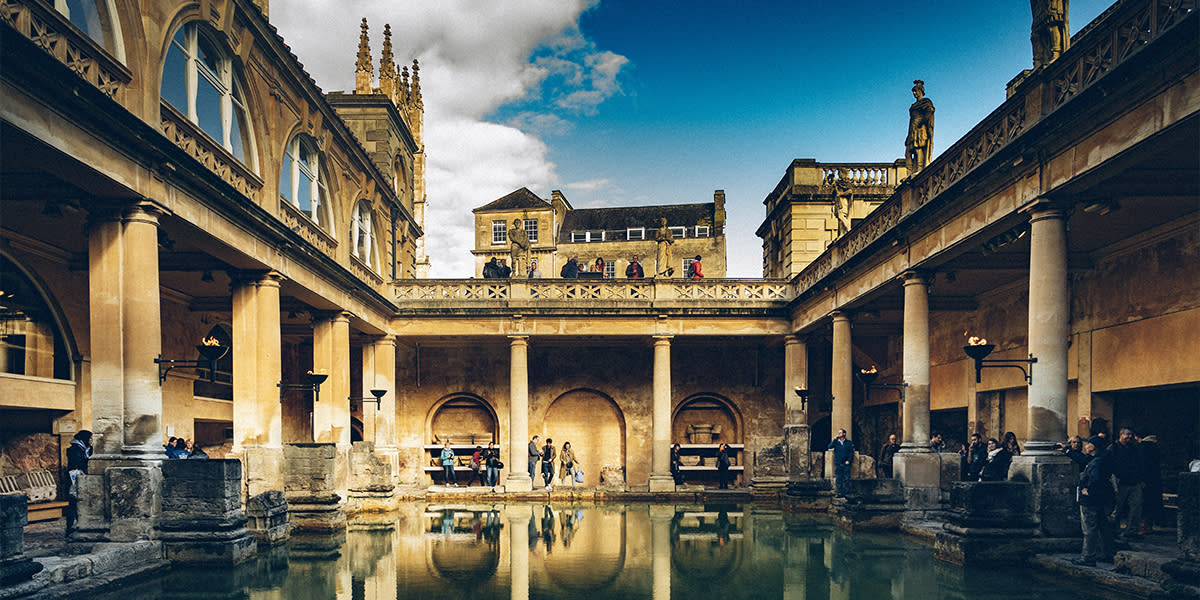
557 231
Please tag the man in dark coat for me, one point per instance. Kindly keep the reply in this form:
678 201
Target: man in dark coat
1095 496
885 456
491 269
570 270
634 270
78 454
974 457
1127 466
843 457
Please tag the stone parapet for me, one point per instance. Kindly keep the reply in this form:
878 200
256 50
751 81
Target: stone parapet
806 496
994 521
371 482
310 485
267 515
15 567
870 504
202 519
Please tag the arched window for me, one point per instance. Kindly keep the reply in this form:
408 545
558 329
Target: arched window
300 180
360 233
199 81
31 340
97 19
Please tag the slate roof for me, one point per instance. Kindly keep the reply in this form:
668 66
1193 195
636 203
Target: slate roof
520 199
625 217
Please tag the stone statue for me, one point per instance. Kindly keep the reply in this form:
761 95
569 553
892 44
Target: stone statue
662 258
843 195
518 250
1049 33
919 143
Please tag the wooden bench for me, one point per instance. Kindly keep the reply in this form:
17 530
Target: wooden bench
41 489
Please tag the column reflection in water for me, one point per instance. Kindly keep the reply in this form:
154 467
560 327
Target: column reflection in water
521 535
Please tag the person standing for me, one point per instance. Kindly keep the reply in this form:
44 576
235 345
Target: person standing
995 467
566 463
634 270
974 457
1011 444
723 463
843 457
885 456
447 457
535 456
676 462
1095 495
599 267
491 462
78 454
936 443
570 270
548 463
476 466
1152 490
695 269
1127 466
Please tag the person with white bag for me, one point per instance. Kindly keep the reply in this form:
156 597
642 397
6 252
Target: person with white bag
568 470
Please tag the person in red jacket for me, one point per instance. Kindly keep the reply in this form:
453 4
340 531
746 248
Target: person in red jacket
694 269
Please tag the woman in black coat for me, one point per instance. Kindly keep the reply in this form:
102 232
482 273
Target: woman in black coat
998 459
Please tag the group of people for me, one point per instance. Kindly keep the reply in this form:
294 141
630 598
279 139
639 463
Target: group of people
723 464
989 461
572 268
1121 481
498 268
485 465
543 458
177 447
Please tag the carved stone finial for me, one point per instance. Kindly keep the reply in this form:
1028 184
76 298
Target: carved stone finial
362 66
387 68
402 93
416 84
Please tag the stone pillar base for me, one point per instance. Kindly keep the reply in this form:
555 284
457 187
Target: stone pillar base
202 519
134 497
1054 478
807 496
917 469
518 482
798 439
15 567
314 506
990 522
662 483
871 504
268 518
371 487
262 470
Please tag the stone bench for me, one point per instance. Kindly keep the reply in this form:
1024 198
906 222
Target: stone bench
41 488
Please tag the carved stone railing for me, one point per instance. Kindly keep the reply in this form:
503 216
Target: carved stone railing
187 136
306 228
862 174
59 38
363 272
530 293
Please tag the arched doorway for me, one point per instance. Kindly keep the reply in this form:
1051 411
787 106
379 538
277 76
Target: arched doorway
464 420
594 425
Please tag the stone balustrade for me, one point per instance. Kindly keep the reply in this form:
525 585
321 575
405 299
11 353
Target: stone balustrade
862 174
625 293
53 33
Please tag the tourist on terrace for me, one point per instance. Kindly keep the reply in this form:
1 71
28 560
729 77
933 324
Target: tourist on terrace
1095 495
566 463
178 449
491 462
491 269
534 273
570 270
1010 444
448 465
634 270
197 453
995 468
476 466
885 456
599 267
535 455
723 463
936 443
974 457
694 269
843 457
505 270
548 455
1074 451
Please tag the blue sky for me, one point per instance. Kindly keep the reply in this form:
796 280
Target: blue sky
623 102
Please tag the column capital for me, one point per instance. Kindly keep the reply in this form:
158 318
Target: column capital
145 211
384 340
519 339
662 340
915 277
840 315
1044 208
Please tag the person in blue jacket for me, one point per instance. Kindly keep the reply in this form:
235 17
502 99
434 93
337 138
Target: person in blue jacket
843 457
1095 495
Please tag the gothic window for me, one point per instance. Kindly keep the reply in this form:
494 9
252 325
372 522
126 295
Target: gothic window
199 81
531 229
301 183
499 232
96 19
361 233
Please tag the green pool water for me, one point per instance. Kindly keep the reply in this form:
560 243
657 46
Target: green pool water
559 551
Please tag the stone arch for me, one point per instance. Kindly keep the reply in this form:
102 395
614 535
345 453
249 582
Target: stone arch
36 313
461 414
595 426
708 409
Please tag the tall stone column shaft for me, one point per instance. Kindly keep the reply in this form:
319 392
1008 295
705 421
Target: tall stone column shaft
257 369
106 332
370 412
385 379
843 377
660 465
518 421
143 334
916 363
1049 325
331 355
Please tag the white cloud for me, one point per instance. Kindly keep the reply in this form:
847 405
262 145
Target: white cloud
475 58
589 185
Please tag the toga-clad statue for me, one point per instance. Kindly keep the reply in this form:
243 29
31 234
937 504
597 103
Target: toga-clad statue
919 143
1049 33
518 250
662 256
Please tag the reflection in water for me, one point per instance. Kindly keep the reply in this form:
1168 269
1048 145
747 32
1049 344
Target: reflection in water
659 552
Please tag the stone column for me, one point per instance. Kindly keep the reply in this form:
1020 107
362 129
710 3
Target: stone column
518 424
518 518
257 369
1053 475
660 550
1049 325
796 434
140 304
386 442
370 412
106 332
331 414
660 466
843 377
916 466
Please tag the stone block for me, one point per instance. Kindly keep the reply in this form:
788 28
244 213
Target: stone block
917 469
771 458
309 467
1053 495
268 517
133 501
991 505
13 518
1189 517
797 440
369 472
